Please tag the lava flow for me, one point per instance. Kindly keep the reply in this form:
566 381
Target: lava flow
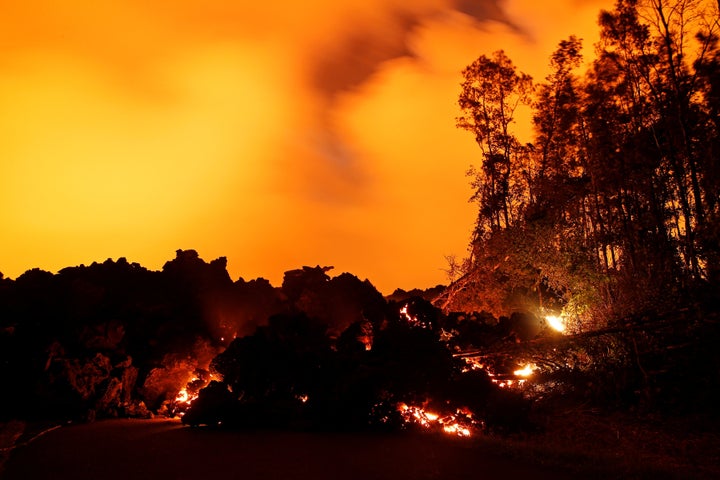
459 423
189 393
184 397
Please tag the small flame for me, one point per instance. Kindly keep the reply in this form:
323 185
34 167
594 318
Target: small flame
555 322
367 341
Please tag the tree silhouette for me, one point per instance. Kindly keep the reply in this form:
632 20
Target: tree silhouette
614 208
491 93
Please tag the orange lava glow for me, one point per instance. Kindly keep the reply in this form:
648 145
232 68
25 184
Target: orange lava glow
131 129
518 378
183 397
525 371
457 424
189 393
412 320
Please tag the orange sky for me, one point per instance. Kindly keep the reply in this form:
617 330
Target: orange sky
277 134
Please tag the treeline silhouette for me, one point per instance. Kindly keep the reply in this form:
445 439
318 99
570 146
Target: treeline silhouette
116 339
102 337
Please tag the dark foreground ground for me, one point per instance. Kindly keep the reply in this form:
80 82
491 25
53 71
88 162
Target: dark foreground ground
164 449
571 444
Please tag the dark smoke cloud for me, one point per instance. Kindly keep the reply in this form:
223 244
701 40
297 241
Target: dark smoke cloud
351 60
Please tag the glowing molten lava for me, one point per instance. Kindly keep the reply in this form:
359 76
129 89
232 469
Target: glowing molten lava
183 397
525 371
188 394
456 429
460 423
503 380
182 402
412 320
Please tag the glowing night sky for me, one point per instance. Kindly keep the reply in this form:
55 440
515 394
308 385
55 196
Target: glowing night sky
277 134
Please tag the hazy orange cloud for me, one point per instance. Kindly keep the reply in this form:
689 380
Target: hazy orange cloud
276 134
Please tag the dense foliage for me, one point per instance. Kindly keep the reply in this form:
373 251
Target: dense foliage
613 210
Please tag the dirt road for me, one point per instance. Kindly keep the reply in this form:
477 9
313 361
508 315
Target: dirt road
164 449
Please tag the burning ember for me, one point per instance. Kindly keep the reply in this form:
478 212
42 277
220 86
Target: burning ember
460 423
